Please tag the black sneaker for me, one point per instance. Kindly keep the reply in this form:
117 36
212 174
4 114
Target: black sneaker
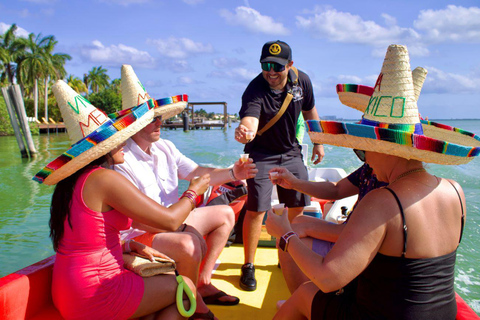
247 280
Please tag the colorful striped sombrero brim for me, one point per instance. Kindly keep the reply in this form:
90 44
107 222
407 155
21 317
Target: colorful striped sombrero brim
439 143
104 139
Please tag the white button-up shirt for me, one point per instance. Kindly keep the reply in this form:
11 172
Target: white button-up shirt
155 174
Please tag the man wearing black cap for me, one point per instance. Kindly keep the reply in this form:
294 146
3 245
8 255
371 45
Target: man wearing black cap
280 93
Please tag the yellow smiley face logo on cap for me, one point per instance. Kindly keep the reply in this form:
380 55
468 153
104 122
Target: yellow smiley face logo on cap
275 49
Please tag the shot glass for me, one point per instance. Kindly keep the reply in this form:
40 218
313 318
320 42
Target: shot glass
249 135
273 176
244 157
278 208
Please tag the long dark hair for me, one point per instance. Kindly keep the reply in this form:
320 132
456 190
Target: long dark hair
61 202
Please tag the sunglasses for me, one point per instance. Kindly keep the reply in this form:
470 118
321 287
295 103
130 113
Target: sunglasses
157 118
267 66
360 154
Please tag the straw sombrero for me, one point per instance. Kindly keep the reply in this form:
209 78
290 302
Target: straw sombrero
91 132
134 94
391 122
357 96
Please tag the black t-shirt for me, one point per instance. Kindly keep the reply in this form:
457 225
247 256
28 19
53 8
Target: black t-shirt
261 102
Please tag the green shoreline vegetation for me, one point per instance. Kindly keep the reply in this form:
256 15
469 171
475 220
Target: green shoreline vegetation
32 64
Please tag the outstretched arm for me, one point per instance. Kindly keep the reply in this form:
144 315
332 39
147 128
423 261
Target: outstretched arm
317 151
322 190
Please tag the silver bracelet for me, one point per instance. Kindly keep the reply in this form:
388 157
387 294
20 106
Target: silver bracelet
127 246
232 174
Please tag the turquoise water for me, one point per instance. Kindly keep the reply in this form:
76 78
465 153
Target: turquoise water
24 204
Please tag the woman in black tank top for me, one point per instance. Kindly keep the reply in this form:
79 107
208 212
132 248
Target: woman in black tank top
395 257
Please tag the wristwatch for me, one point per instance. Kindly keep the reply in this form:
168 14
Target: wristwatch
283 244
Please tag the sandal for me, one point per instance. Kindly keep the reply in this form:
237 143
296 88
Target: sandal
215 299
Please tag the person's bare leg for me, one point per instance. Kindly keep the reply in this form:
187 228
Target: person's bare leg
184 248
294 212
252 228
292 274
299 305
160 294
216 223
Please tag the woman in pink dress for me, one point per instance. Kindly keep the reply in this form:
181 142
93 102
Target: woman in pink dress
90 205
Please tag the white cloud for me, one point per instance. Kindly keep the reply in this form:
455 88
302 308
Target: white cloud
187 81
453 24
222 63
239 74
115 55
19 33
345 27
179 48
179 66
439 81
348 28
253 21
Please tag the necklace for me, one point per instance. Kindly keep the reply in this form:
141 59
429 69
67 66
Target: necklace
407 173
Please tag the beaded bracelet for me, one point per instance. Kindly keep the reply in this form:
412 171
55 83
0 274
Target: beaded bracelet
190 195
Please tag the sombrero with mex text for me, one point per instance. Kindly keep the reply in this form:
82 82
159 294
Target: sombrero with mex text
91 132
391 123
134 94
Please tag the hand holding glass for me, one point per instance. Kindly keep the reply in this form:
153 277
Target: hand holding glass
244 157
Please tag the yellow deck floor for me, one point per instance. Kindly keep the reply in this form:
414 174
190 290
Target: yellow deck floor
271 287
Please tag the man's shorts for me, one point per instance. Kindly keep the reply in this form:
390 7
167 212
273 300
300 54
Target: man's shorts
146 238
260 188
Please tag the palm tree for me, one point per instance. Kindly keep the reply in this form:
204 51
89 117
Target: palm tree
97 79
54 69
32 65
115 85
77 84
12 50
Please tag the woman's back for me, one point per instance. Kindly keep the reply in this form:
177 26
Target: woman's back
417 280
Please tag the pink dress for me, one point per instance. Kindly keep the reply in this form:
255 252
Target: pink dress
89 280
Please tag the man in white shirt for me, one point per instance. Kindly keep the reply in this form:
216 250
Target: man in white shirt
155 165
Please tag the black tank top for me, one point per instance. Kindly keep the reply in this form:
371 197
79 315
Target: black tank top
409 288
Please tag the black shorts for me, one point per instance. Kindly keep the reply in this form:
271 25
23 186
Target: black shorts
336 305
260 188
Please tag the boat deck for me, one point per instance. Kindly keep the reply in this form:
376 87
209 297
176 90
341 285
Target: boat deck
271 287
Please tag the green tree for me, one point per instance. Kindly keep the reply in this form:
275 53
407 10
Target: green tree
31 66
107 100
13 49
77 84
54 69
97 79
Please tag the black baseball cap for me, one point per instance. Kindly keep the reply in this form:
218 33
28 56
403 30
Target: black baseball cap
276 51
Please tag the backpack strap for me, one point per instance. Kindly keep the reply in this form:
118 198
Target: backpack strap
282 110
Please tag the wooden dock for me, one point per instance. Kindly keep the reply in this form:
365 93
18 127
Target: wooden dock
51 128
192 126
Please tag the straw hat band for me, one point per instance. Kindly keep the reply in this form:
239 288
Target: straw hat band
411 128
173 99
108 136
151 104
370 137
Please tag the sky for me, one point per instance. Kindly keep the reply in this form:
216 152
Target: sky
210 49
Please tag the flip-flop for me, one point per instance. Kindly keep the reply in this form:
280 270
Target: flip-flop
215 299
203 316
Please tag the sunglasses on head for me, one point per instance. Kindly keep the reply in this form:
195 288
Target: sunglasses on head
267 66
157 118
360 154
